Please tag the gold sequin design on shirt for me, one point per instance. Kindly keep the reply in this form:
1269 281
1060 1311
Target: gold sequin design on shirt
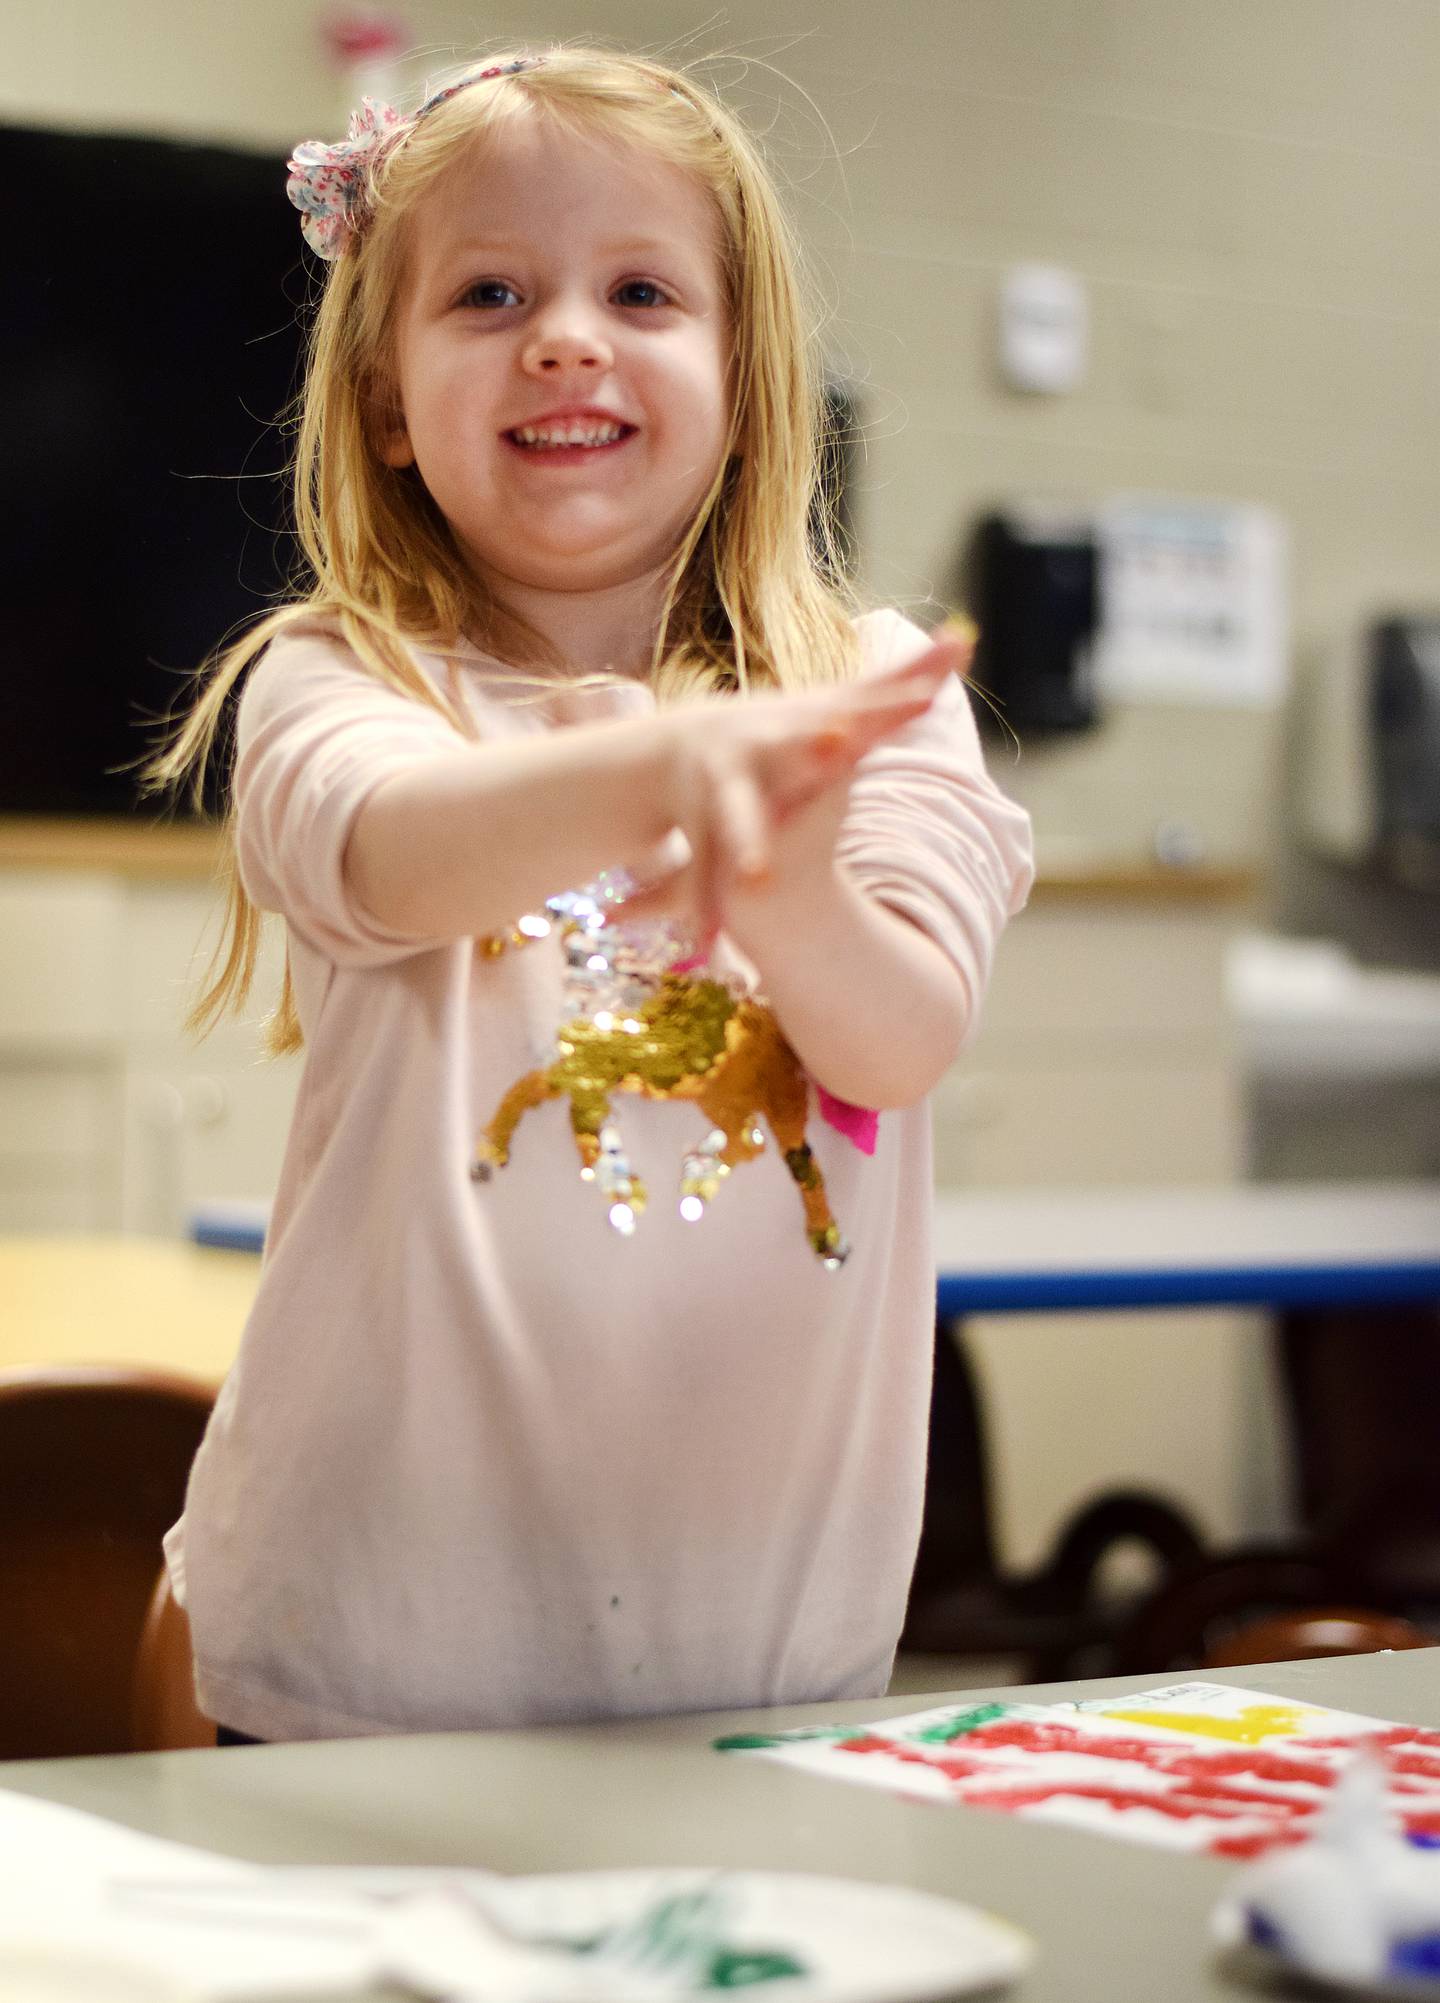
692 1039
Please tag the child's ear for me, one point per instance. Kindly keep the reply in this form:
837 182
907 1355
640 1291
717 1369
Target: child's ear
392 441
389 433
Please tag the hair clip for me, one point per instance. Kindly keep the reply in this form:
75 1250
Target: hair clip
327 184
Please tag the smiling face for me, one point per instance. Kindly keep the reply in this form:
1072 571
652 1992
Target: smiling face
561 358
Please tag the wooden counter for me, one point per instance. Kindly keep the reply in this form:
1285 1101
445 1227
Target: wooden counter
1143 883
120 846
193 850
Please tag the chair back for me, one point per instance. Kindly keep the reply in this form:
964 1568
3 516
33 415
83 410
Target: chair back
93 1466
164 1716
1362 1397
1313 1632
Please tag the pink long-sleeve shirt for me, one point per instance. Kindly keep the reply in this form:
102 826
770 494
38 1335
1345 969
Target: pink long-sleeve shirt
481 1461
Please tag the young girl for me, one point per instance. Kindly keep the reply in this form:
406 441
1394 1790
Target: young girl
574 740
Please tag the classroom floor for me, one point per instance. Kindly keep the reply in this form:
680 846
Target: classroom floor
922 1674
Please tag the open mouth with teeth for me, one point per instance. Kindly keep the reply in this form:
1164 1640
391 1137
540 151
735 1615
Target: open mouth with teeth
577 436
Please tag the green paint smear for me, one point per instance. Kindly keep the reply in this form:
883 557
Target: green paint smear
966 1721
726 1967
670 1939
939 1734
760 1742
736 1968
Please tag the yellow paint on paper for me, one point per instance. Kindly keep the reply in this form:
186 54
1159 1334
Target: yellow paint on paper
1250 1727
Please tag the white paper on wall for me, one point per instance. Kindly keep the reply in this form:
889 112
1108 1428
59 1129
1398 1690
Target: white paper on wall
1194 603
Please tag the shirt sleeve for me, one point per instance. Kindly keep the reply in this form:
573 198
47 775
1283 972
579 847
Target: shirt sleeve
928 832
315 735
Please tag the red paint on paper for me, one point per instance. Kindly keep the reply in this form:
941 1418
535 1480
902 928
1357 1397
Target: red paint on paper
1214 1782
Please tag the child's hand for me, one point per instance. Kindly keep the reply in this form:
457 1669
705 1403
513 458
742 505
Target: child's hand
764 782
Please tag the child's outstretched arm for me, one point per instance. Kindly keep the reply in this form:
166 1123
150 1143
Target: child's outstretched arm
872 1007
462 841
876 939
875 1010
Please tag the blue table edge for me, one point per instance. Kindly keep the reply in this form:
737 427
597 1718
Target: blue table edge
1268 1286
221 1237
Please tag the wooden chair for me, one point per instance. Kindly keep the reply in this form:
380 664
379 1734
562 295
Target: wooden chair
1362 1397
1256 1596
93 1466
163 1714
1058 1621
1315 1632
1361 1394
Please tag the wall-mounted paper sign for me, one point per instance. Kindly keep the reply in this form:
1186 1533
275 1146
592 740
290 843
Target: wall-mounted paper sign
1044 328
1194 602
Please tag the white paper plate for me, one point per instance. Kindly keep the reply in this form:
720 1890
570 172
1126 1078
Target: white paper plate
619 1935
854 1942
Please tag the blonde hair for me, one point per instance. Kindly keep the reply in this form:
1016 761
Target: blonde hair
755 596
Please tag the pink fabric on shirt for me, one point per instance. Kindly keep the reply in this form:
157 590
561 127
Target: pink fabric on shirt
480 1461
859 1124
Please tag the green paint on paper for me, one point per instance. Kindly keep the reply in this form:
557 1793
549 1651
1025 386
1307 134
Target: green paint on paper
938 1734
965 1721
761 1742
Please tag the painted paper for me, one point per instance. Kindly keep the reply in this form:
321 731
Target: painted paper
1189 1766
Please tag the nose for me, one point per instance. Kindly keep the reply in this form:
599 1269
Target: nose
565 340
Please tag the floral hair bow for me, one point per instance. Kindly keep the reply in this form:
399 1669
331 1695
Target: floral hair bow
327 183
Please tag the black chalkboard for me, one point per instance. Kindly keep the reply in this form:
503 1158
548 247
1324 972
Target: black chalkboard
150 337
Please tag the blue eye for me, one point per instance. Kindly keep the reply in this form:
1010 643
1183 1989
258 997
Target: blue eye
490 292
654 295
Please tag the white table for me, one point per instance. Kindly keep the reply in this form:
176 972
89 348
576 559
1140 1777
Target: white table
1115 1922
1247 1245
